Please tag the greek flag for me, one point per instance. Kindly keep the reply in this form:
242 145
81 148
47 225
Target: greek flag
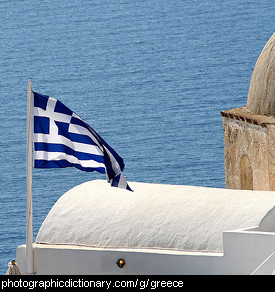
62 139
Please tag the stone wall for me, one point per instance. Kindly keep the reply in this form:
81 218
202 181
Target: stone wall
249 131
246 155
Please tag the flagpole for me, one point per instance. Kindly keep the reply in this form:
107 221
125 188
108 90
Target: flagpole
29 231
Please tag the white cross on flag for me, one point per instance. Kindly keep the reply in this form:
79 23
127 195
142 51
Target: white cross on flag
62 139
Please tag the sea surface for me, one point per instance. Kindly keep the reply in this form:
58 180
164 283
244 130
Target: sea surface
151 77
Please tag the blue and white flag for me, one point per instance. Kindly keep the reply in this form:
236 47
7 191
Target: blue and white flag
62 139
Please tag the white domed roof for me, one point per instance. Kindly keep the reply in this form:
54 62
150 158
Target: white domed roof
261 95
153 216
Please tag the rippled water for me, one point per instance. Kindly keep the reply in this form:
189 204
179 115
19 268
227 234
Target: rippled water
151 77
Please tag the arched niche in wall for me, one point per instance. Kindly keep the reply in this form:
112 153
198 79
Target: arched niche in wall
246 174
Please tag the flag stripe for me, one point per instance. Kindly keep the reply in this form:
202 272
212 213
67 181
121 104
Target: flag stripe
50 147
77 129
115 181
39 163
56 156
77 121
80 147
78 125
63 130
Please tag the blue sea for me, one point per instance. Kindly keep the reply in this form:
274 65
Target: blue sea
151 77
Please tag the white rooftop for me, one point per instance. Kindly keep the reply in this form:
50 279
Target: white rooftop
154 216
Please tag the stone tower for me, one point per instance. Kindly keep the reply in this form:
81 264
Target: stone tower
249 131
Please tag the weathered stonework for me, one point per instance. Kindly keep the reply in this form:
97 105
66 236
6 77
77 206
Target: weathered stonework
249 131
249 150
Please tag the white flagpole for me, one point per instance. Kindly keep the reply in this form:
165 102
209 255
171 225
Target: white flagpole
29 232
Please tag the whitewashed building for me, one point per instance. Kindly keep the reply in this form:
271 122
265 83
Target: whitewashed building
157 229
172 229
